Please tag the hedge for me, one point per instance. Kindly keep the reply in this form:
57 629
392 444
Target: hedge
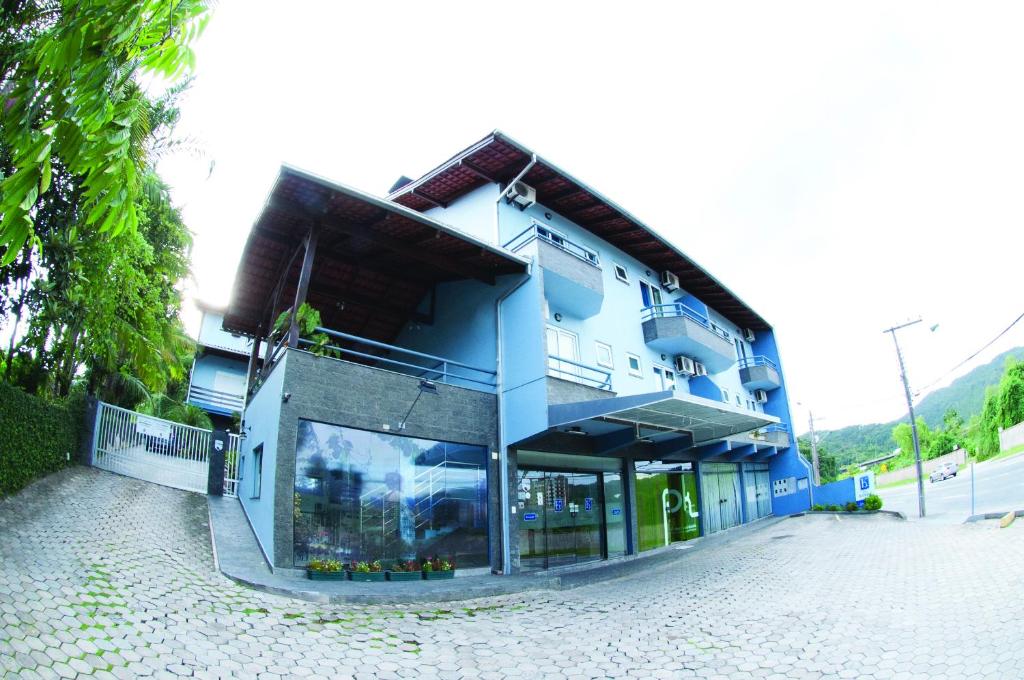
36 436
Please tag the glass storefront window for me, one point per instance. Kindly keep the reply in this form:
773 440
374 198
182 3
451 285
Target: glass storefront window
667 507
363 496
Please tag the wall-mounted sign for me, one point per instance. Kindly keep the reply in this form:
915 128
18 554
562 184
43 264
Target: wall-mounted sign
616 511
153 427
588 504
530 517
559 504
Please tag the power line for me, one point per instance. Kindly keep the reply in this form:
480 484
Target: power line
984 347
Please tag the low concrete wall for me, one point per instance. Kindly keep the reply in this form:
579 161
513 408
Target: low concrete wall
959 457
1011 437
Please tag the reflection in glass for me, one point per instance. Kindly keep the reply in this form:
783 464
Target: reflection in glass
368 495
667 509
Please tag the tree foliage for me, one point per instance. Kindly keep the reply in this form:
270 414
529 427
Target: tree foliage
1004 407
828 464
76 303
70 98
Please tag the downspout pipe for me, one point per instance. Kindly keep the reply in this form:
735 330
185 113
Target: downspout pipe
499 381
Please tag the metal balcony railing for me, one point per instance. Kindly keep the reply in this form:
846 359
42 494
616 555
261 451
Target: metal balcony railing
539 231
419 364
567 369
228 400
677 309
757 360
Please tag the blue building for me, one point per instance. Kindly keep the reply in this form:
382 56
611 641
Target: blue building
218 380
512 371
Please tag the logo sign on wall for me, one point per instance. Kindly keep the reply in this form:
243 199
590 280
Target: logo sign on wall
153 427
863 485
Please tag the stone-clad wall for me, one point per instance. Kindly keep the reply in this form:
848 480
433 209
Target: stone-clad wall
343 393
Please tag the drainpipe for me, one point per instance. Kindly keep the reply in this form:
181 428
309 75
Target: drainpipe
499 382
502 194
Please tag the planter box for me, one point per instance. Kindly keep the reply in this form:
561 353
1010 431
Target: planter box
438 575
405 576
325 575
366 575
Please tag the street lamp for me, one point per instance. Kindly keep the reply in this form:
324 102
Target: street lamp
910 407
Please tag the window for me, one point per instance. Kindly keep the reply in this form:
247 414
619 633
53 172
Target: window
620 273
604 355
550 234
363 496
633 363
257 471
665 377
739 400
725 396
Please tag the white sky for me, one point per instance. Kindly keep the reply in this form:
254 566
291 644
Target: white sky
841 168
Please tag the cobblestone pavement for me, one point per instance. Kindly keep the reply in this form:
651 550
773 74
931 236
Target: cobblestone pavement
103 576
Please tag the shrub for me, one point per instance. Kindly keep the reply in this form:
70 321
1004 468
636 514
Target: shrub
832 508
817 507
324 565
873 502
852 507
39 436
403 566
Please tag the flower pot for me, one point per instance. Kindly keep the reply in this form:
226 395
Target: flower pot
439 574
313 575
404 576
366 575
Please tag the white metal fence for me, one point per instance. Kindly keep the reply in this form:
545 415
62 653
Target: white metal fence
158 450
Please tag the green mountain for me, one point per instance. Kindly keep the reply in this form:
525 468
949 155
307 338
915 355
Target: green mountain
966 394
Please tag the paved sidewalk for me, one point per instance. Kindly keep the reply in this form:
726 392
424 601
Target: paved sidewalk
109 577
238 556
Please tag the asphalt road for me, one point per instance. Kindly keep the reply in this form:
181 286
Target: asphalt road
998 487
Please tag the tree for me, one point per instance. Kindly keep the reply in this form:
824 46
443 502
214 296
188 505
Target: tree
828 464
70 98
904 437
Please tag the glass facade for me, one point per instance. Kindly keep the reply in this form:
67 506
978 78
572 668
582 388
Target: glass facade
363 495
667 504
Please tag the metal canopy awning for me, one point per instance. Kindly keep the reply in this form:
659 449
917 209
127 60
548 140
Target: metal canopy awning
706 420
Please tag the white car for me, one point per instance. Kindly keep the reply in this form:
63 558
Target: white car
944 471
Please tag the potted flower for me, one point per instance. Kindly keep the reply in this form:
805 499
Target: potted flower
437 568
408 570
367 571
325 570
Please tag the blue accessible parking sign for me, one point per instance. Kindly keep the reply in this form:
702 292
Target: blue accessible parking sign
559 504
588 504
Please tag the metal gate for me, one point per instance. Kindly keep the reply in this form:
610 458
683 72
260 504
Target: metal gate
158 450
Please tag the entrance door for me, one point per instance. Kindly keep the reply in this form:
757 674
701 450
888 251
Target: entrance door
563 344
561 520
721 497
764 497
650 294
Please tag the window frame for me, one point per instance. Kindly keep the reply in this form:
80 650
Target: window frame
726 397
257 472
639 371
598 346
616 268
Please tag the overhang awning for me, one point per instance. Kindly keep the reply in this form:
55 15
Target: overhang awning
374 263
706 420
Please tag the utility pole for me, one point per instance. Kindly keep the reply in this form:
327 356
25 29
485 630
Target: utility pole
814 450
913 421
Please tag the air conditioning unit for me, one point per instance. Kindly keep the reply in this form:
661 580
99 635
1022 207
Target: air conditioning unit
669 281
699 368
748 335
521 194
685 365
761 396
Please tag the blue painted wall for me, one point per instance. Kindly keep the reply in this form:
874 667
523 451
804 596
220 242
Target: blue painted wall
618 324
261 422
463 328
837 493
219 373
788 462
524 406
472 213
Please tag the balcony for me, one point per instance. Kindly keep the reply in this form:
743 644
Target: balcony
759 373
216 401
675 328
573 282
776 434
574 381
